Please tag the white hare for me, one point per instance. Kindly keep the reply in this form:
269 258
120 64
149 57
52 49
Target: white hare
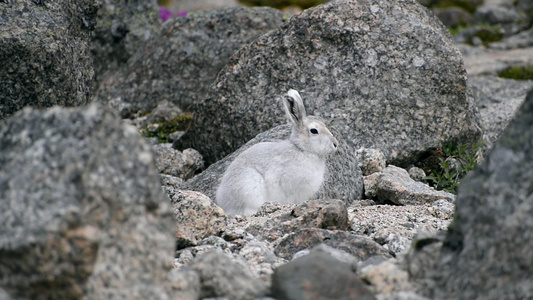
288 171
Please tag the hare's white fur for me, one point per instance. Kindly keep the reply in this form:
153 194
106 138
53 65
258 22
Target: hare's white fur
289 171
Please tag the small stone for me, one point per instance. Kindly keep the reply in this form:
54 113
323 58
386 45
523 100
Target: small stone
416 174
220 276
386 278
317 276
371 160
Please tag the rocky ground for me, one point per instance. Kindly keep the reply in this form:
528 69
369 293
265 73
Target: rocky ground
83 216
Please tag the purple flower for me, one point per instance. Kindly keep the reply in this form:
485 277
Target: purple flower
182 13
165 13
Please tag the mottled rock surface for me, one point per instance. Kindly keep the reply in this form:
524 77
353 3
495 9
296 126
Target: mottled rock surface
386 278
395 185
360 247
487 252
386 75
197 217
343 179
222 277
122 28
183 164
183 58
497 100
44 50
318 276
81 208
325 214
371 161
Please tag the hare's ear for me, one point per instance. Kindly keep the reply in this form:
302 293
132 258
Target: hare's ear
294 107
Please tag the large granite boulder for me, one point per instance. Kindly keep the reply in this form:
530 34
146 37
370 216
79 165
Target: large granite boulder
123 27
183 58
44 53
81 208
488 252
386 74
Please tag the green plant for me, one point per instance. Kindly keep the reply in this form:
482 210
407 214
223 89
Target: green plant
162 130
455 163
518 73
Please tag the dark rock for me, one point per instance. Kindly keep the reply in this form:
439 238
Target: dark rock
317 276
453 16
487 252
386 75
183 58
343 178
123 27
220 276
81 208
197 217
359 246
44 50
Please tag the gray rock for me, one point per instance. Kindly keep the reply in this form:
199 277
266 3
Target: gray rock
81 208
386 75
371 160
340 255
416 173
183 58
172 162
185 283
170 183
386 278
421 257
493 14
122 28
487 252
193 5
521 40
343 179
394 184
220 276
497 100
326 214
359 246
44 50
482 63
317 276
197 217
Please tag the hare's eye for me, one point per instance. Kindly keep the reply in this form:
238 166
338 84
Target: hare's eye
314 131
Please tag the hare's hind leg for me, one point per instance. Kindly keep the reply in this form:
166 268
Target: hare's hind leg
242 194
253 192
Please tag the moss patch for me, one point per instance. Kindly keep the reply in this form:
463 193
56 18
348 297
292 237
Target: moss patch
518 73
469 6
162 130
